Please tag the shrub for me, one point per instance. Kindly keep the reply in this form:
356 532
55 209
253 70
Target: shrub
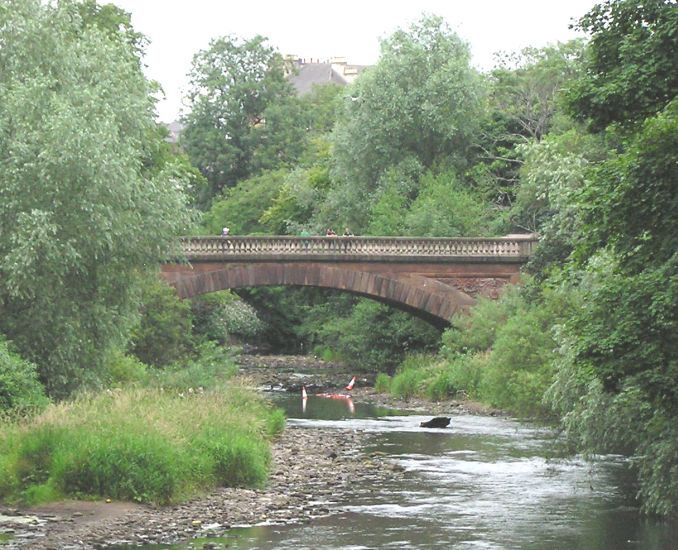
163 334
123 370
412 375
219 315
20 389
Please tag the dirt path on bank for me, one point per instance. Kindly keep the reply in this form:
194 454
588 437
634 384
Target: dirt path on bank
312 469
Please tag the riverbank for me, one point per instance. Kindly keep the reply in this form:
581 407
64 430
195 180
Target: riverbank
312 469
289 373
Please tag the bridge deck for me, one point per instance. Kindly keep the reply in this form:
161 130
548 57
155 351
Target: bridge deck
375 249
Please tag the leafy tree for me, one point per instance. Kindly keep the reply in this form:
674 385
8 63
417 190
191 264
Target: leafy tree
523 105
322 104
240 208
418 104
243 114
621 343
79 219
392 334
443 208
631 63
113 21
163 333
295 208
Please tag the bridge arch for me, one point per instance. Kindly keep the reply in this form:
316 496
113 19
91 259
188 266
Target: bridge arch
426 298
432 277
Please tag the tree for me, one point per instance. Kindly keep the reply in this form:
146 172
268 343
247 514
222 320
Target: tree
631 64
240 208
620 364
444 208
243 114
523 105
79 218
417 105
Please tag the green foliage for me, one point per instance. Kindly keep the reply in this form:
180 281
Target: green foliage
79 218
382 383
220 315
240 208
419 101
163 334
391 335
503 352
617 370
321 106
411 377
476 332
622 422
300 195
443 208
519 369
125 370
627 329
212 366
522 107
147 446
243 116
20 390
630 202
631 62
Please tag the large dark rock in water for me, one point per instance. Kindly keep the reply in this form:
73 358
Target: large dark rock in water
437 422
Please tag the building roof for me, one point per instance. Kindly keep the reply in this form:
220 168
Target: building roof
314 72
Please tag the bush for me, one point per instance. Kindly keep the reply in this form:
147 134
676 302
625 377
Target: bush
220 315
163 334
141 445
123 370
20 389
210 369
477 331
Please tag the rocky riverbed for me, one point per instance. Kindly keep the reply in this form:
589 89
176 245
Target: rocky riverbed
312 468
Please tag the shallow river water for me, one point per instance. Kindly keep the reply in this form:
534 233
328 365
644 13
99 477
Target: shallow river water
483 482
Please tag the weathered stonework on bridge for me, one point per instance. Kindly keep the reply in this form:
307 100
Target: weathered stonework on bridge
431 277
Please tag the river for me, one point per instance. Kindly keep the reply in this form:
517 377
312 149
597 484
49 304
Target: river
484 482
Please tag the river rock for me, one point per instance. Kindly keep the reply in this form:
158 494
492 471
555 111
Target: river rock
437 422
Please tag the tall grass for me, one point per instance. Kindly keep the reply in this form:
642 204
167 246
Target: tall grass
145 445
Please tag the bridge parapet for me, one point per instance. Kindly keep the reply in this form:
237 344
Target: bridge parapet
515 248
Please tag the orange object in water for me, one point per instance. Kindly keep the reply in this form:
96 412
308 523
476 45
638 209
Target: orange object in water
350 384
334 395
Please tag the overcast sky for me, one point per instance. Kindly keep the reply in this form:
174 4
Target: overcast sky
177 29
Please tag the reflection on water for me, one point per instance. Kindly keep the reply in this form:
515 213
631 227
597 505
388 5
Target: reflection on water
483 482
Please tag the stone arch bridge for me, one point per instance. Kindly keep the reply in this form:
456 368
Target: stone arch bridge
433 278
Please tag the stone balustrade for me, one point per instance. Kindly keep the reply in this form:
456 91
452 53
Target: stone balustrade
237 248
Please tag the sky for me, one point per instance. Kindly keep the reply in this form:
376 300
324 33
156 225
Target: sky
178 29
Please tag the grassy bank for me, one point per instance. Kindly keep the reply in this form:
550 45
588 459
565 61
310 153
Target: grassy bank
146 445
502 354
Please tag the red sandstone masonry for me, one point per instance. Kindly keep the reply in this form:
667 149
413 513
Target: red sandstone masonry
432 277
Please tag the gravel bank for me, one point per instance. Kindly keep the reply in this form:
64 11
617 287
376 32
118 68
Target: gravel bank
312 469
